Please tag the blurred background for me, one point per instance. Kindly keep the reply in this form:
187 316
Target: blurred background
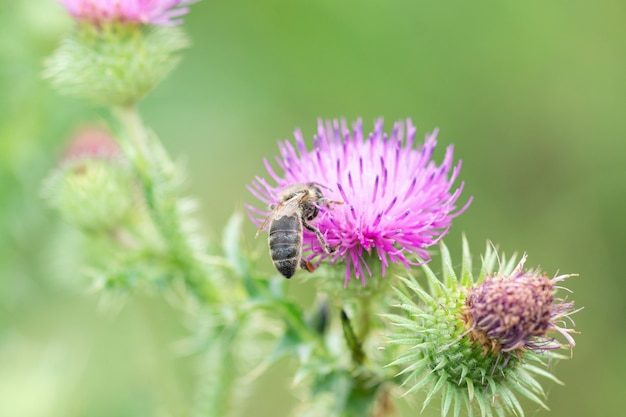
532 95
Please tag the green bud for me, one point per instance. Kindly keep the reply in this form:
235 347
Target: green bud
115 63
93 187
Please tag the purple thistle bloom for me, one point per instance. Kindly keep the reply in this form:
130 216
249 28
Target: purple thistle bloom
156 12
516 312
396 202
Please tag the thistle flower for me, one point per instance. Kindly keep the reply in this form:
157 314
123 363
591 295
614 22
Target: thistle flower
396 202
480 341
515 312
156 12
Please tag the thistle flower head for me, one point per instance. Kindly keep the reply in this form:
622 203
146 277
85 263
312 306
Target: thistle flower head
156 12
516 311
395 201
480 342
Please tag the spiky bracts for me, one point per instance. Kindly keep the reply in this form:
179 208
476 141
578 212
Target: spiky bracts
441 353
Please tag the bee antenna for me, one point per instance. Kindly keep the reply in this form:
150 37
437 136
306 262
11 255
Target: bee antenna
321 185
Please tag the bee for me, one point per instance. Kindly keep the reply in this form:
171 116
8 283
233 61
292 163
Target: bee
298 205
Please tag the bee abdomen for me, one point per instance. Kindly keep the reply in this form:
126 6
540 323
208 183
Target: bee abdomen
285 242
286 268
284 252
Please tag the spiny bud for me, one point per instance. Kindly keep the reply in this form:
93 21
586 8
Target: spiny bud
480 342
93 186
114 63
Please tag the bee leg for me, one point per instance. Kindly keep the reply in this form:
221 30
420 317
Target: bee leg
304 264
327 248
329 203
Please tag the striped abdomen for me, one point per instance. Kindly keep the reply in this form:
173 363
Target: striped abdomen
285 242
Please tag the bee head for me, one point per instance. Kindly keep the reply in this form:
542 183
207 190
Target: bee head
315 193
310 204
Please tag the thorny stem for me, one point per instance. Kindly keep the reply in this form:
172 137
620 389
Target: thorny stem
155 172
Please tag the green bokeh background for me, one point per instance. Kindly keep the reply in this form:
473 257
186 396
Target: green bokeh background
532 94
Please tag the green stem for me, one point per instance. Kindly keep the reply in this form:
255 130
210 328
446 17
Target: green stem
353 342
365 318
155 172
214 395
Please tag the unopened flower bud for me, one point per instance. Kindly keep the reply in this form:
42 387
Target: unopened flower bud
93 186
115 63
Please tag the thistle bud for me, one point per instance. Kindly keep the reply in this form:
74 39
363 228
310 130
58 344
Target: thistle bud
114 63
93 186
480 342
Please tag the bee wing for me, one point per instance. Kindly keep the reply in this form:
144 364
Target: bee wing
283 208
287 208
265 222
